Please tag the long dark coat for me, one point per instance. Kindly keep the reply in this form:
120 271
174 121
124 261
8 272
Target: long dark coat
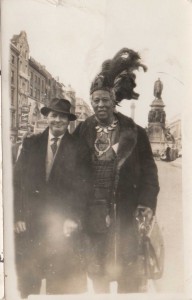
44 206
136 182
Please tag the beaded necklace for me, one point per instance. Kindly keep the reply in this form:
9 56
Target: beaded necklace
104 131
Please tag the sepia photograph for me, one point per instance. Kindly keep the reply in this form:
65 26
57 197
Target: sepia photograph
96 139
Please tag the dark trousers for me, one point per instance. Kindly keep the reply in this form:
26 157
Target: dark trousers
61 263
124 285
30 264
29 275
104 266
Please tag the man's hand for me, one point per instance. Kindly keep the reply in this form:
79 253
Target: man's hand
20 226
145 212
69 227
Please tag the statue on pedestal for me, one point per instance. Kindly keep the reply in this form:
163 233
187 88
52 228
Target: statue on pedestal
158 87
162 116
151 116
157 116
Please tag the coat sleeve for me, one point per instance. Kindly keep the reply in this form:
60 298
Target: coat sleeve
84 173
19 175
149 184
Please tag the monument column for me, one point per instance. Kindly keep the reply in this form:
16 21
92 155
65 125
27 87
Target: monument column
156 120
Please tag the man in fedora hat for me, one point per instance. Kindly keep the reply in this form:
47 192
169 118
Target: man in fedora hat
47 209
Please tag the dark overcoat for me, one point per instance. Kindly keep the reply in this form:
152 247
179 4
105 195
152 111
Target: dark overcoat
135 182
45 205
32 191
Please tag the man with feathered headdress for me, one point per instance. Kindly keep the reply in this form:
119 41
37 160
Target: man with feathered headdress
120 177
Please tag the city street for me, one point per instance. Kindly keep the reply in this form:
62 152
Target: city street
169 216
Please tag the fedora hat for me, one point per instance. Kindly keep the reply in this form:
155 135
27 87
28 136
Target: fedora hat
59 105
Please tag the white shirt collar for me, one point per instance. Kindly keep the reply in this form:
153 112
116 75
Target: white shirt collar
51 136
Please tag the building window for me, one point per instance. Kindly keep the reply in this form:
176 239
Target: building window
12 96
35 93
42 84
38 81
12 119
31 92
23 87
13 59
35 79
31 79
12 77
23 67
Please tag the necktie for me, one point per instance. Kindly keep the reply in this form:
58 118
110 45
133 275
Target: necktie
54 145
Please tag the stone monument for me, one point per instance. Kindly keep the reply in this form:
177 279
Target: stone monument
156 120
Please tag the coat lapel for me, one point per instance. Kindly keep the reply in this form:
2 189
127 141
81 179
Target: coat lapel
92 123
41 153
127 140
62 153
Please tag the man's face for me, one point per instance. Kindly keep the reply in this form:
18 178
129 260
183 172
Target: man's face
103 105
57 122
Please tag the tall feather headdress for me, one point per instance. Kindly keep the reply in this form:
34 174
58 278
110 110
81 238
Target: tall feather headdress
117 73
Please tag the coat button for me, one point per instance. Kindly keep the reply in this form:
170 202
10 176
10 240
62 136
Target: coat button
37 191
135 186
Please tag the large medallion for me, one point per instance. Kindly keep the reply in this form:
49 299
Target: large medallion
103 141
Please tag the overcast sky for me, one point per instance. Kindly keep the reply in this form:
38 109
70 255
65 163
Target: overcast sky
72 40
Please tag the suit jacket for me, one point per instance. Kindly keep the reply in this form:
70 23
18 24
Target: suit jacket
36 200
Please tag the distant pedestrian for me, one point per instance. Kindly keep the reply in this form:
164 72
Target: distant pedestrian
168 153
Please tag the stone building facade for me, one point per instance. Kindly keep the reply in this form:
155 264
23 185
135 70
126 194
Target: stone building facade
174 126
19 78
14 63
70 95
31 87
37 90
82 111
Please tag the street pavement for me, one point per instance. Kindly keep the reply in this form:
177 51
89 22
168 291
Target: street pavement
169 216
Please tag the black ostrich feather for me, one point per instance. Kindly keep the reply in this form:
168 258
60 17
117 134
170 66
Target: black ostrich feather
124 87
118 73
